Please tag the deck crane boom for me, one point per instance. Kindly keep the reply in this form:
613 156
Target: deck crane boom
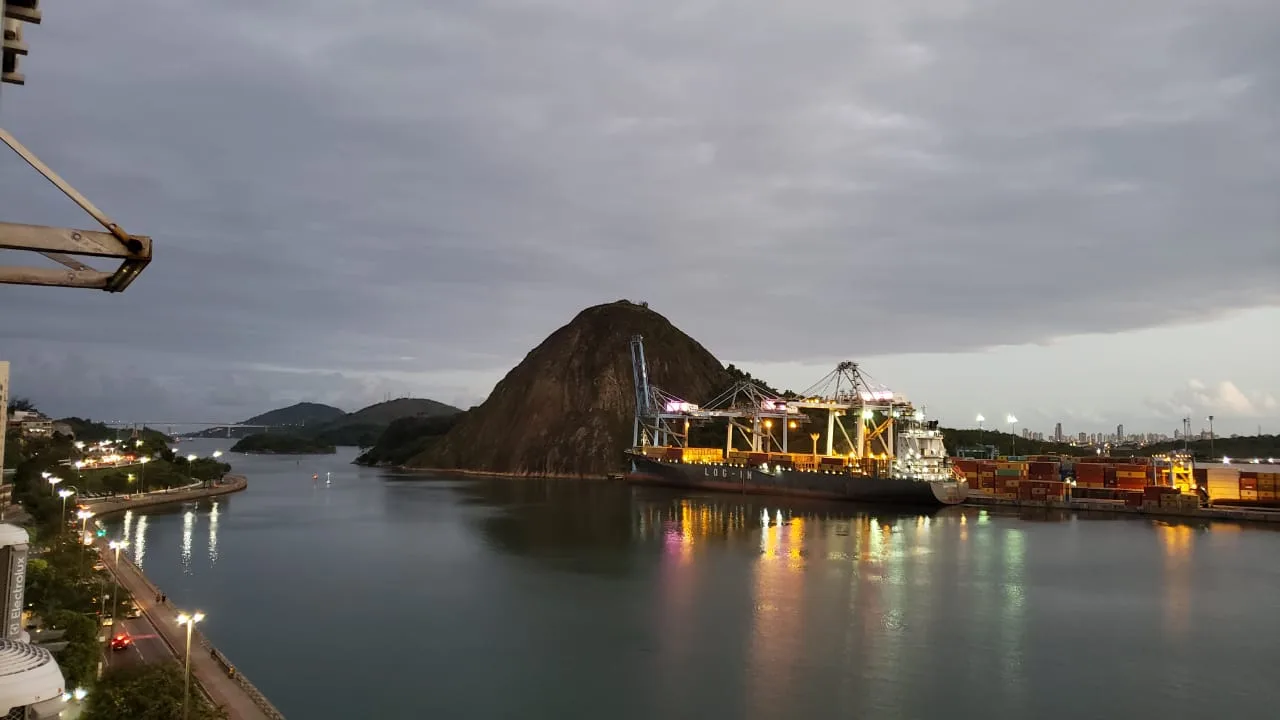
61 245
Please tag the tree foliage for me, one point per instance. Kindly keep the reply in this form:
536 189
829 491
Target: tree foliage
145 692
22 404
406 437
79 659
283 443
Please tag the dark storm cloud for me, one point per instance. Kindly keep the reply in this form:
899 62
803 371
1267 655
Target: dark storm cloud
411 190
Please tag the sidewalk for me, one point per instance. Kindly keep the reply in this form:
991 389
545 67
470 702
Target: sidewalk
241 700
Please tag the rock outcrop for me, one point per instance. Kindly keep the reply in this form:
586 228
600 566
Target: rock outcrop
567 408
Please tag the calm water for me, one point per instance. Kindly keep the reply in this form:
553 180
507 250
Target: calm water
376 596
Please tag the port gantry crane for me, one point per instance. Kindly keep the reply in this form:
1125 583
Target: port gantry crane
61 245
663 419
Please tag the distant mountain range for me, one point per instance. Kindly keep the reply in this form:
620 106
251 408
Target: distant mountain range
332 425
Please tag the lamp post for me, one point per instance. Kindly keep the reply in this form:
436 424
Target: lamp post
190 621
64 494
53 484
143 474
980 421
1210 436
116 545
84 516
768 429
1013 430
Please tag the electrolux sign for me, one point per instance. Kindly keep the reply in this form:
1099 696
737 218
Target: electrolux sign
17 574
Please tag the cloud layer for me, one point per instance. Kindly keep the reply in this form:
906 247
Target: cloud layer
336 190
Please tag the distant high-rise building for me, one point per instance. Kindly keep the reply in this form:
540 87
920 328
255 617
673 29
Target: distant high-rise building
1084 437
1057 432
1120 433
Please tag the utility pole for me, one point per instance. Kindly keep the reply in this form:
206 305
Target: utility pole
1210 436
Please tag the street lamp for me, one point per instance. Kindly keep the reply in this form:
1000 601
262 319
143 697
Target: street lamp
53 484
190 621
218 453
768 428
116 545
980 421
1013 428
142 486
64 494
84 516
1211 436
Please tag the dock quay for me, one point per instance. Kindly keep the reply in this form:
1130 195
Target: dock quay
1231 514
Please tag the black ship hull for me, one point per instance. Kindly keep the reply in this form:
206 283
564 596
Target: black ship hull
833 486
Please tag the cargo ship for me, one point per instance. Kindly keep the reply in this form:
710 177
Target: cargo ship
866 443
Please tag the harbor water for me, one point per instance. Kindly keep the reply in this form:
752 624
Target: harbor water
361 593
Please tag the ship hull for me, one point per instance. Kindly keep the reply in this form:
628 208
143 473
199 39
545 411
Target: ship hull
730 478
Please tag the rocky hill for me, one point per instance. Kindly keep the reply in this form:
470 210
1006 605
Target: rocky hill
567 408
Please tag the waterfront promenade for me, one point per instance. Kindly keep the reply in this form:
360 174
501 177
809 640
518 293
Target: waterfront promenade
106 506
210 670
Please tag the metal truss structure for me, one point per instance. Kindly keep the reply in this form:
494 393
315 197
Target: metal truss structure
61 245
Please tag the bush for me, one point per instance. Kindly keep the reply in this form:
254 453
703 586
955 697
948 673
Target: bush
145 692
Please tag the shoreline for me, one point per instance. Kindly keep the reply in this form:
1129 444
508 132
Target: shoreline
483 473
102 508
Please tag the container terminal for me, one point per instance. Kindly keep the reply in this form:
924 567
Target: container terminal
1172 484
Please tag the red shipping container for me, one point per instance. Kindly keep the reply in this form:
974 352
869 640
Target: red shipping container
1248 483
1089 472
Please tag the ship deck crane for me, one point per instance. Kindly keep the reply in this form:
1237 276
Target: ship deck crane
62 245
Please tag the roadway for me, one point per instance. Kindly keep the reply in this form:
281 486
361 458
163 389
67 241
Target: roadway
159 638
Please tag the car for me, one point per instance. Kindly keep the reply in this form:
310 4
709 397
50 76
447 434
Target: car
133 611
121 642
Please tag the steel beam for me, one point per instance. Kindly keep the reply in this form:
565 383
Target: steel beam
64 245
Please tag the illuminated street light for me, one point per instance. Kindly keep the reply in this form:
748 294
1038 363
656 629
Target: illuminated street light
1013 430
190 621
84 516
191 458
980 420
116 545
64 494
218 453
53 484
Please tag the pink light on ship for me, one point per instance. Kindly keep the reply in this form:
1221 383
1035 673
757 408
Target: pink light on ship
677 406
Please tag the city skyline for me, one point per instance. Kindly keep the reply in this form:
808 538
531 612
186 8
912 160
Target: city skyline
938 191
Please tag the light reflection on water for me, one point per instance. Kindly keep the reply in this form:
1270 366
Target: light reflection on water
213 534
188 529
138 546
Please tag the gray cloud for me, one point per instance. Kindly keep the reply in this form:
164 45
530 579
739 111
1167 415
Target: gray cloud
333 190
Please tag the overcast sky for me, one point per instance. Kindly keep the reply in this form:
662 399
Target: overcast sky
1063 210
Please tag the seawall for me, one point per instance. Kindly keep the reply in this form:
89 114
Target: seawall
232 484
